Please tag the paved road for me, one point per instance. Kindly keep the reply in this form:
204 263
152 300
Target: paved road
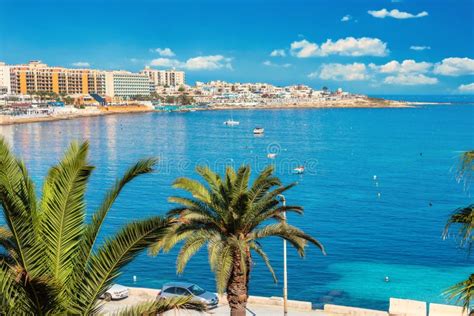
222 310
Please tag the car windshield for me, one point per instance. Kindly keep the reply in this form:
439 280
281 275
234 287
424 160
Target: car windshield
196 290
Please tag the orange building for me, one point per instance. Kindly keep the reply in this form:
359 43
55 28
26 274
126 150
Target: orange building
36 77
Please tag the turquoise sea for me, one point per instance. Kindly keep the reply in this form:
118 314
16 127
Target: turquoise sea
379 186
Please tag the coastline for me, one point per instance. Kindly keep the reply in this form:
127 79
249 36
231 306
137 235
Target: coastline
10 120
361 103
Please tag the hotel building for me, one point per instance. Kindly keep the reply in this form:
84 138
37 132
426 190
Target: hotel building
124 84
164 78
36 77
5 86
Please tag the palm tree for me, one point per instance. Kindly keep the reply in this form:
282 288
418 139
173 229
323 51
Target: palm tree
51 260
463 218
231 217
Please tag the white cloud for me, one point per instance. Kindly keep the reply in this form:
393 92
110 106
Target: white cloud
349 46
164 52
304 49
270 64
278 53
81 64
419 48
211 62
341 72
396 14
410 80
346 18
166 62
406 66
455 66
466 87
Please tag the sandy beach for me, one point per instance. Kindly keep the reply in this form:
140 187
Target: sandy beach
99 111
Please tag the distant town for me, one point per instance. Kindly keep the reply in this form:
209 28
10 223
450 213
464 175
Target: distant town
36 89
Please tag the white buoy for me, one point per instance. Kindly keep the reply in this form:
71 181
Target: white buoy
378 194
387 279
377 184
375 177
134 279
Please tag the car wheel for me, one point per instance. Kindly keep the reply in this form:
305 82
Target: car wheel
107 297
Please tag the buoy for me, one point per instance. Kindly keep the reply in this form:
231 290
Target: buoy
134 279
387 279
378 194
375 177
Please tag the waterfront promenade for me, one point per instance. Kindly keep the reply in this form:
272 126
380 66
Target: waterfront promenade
270 306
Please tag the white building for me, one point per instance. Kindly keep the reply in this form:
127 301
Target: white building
165 78
5 84
125 84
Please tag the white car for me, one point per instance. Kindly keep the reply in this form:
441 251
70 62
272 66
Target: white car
115 292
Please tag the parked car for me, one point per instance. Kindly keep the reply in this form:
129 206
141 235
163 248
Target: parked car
115 292
197 293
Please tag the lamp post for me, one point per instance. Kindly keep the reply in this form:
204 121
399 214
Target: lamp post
285 279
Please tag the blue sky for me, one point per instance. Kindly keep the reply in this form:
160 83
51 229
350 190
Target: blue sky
367 46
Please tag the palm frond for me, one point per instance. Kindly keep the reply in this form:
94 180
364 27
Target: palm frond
464 218
194 187
159 306
63 210
105 265
462 292
259 250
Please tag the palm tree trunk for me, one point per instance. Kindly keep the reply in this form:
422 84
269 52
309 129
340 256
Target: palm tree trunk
237 289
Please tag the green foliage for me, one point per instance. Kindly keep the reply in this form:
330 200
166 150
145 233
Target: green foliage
51 261
230 216
463 219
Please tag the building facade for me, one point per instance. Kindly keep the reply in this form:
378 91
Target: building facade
164 78
125 84
5 85
38 77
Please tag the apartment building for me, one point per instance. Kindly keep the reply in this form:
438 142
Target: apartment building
37 76
124 84
164 78
5 86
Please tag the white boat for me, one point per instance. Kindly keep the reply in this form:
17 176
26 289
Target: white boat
299 170
258 130
271 156
231 122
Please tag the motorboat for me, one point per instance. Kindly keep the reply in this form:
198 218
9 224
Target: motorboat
231 122
258 130
299 170
271 155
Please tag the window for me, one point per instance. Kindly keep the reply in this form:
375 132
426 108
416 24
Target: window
170 290
196 290
181 291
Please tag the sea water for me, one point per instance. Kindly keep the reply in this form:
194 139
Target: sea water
378 188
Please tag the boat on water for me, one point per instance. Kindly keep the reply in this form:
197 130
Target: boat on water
258 130
271 155
231 122
299 170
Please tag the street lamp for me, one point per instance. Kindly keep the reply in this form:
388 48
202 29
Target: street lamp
285 280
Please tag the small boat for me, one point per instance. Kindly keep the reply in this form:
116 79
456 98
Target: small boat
271 156
299 170
231 122
258 130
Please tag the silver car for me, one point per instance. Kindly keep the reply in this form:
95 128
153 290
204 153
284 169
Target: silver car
174 289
